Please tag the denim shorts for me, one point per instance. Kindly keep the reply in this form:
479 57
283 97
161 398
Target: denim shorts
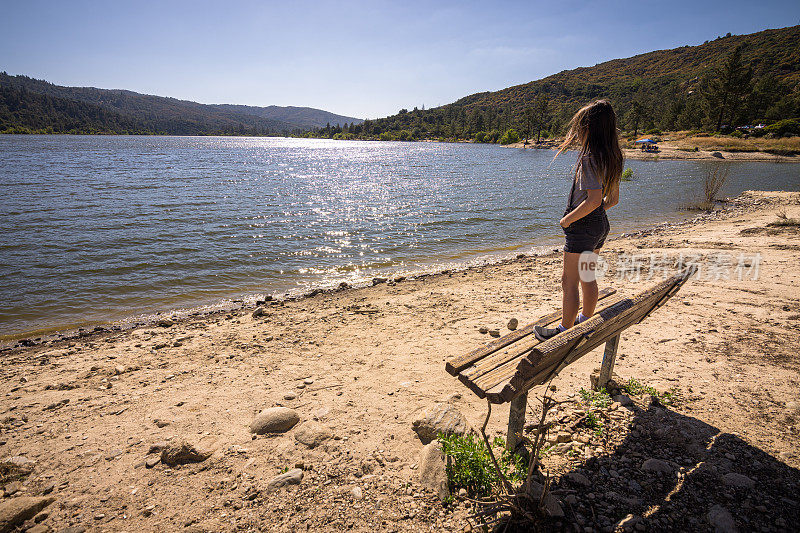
588 233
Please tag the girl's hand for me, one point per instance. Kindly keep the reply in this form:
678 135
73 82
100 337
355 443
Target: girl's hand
564 222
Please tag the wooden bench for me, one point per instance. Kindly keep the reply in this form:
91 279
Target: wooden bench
506 368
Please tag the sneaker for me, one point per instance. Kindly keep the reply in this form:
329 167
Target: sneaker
542 333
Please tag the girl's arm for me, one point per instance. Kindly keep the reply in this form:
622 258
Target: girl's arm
612 198
594 198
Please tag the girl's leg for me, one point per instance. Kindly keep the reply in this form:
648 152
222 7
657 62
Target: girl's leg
570 279
590 293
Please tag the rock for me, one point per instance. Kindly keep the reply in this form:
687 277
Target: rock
656 465
312 434
274 420
432 474
15 511
578 478
441 418
150 462
378 281
513 323
182 452
718 155
258 312
721 520
462 493
627 524
20 463
292 477
73 529
12 488
165 323
119 369
623 399
357 493
732 479
494 333
38 528
50 487
308 381
483 329
552 507
563 437
290 395
793 407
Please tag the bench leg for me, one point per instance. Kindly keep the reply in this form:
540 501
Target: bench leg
609 356
516 420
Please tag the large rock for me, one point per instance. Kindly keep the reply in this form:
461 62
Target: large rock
292 477
578 479
656 465
732 479
441 418
182 452
274 420
432 470
721 520
15 511
312 434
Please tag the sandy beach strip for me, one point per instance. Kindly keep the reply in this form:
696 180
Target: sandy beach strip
86 420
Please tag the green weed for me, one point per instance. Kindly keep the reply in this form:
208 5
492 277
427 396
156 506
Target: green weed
469 465
599 398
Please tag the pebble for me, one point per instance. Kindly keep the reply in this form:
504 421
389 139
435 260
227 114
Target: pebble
289 396
483 329
292 477
578 478
358 493
494 333
258 312
150 462
165 323
513 323
308 381
274 420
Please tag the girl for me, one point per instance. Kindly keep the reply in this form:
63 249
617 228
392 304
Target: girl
595 188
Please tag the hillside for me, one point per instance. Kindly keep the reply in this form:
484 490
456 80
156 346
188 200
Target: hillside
304 117
36 105
665 89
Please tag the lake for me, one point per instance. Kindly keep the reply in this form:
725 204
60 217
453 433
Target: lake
95 229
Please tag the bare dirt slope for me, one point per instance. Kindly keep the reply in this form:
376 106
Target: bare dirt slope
83 415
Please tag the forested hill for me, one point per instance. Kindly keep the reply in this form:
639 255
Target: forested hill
304 117
27 104
682 88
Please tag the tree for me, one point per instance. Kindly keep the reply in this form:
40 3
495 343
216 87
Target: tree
530 122
728 87
540 106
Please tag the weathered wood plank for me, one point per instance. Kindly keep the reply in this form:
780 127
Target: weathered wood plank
457 364
515 351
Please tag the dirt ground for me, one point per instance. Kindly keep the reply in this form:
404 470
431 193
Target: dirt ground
85 418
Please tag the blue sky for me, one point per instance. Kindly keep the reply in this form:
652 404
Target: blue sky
364 59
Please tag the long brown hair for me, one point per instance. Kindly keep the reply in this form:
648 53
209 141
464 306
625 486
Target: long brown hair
594 130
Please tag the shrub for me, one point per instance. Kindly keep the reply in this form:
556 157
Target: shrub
653 131
627 175
385 136
790 126
738 134
480 137
509 137
470 467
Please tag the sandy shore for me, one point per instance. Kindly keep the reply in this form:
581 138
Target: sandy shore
86 419
669 150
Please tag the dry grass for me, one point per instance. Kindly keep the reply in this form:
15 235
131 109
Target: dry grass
783 146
